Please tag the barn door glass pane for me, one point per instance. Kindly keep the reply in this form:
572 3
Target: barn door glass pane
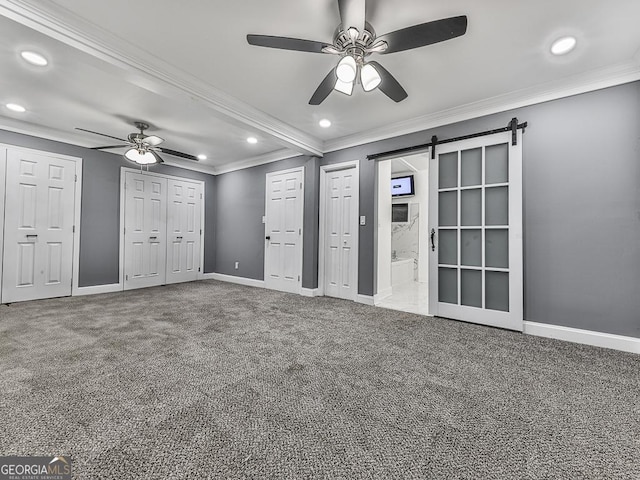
473 233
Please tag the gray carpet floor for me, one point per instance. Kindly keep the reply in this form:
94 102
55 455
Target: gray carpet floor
214 380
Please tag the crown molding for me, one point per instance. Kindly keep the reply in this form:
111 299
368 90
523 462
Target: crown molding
258 160
188 165
77 140
575 85
63 25
47 133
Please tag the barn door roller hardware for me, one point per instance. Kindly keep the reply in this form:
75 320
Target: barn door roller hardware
512 127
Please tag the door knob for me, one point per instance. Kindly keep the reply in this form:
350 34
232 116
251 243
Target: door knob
268 237
178 238
153 238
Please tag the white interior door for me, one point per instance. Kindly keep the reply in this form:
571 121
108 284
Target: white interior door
476 231
38 227
283 230
145 234
340 245
183 230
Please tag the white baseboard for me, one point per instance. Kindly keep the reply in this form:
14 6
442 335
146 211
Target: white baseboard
310 292
381 295
249 282
95 289
366 299
587 337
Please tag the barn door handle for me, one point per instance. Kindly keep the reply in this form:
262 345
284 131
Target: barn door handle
433 243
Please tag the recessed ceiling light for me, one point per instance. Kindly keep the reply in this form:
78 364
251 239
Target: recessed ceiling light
324 123
34 58
16 108
563 45
252 140
202 156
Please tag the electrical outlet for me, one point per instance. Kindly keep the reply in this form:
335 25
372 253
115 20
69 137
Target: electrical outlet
237 265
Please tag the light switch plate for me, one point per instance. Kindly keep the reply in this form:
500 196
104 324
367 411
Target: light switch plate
264 219
363 220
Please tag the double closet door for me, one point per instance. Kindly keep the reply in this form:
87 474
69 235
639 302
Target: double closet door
162 230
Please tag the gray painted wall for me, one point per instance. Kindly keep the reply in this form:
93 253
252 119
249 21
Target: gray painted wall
581 209
581 206
240 205
100 207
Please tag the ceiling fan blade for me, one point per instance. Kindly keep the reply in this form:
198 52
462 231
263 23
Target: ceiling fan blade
176 153
352 13
324 89
286 43
103 134
110 146
389 85
425 34
153 140
158 157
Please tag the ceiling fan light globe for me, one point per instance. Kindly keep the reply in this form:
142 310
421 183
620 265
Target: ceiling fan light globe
140 157
344 87
369 77
347 69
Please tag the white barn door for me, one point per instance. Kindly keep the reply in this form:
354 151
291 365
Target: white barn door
145 234
38 226
183 230
339 231
475 244
283 230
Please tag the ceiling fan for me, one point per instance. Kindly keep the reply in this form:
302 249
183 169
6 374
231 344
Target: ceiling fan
142 148
354 40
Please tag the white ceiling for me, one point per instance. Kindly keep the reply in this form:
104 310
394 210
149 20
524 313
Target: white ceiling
186 68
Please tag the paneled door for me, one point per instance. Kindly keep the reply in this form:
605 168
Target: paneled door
340 232
475 239
283 230
38 227
145 230
183 230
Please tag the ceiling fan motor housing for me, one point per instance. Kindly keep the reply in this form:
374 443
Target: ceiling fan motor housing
358 47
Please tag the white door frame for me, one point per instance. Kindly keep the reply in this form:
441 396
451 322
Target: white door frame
301 219
77 205
324 170
123 171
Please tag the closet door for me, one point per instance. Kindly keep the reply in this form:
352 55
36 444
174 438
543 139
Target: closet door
183 230
145 234
340 228
38 226
284 210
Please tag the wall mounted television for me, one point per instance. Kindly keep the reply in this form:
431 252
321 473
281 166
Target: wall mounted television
402 186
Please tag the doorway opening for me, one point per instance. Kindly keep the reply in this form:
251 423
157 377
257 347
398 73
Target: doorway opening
402 237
